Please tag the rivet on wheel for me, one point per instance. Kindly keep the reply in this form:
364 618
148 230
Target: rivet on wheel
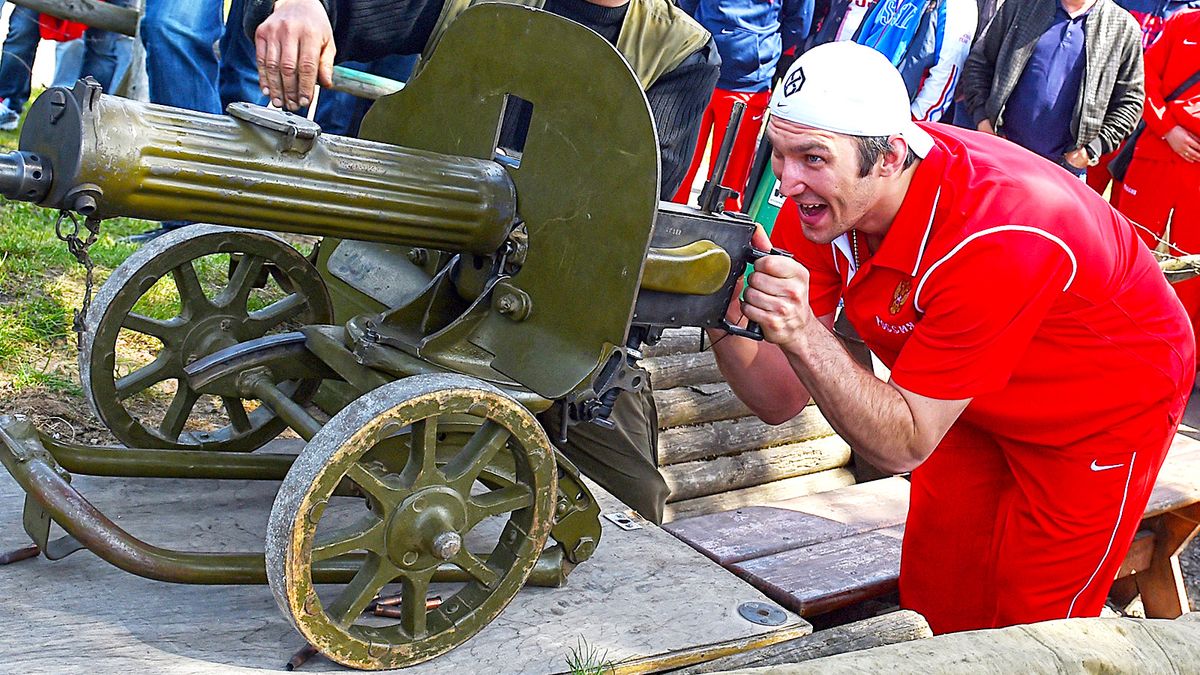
310 604
226 325
313 516
376 650
409 558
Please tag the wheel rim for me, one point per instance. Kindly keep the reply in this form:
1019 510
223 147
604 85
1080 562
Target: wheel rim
207 321
417 518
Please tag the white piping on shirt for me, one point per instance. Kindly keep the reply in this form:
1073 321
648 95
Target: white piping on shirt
993 230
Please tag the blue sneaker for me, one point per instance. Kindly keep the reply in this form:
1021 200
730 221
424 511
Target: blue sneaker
8 119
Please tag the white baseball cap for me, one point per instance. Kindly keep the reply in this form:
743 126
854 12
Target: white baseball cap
851 89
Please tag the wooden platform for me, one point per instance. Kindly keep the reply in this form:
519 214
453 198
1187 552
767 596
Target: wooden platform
824 551
646 601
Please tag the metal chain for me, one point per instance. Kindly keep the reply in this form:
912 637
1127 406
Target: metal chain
79 248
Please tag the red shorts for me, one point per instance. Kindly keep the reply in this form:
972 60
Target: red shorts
1001 534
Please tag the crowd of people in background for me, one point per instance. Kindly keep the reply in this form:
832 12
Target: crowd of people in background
1065 79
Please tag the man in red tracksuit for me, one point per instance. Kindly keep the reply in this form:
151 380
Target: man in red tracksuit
1163 180
1039 361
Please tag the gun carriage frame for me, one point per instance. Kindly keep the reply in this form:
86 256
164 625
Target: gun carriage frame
448 303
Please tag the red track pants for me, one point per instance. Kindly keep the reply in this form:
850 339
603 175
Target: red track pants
1001 533
714 123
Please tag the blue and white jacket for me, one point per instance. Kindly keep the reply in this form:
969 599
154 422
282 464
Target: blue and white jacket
933 61
751 35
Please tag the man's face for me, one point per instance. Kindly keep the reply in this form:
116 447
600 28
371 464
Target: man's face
819 170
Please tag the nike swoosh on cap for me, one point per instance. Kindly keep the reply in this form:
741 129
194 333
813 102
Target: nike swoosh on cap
1104 467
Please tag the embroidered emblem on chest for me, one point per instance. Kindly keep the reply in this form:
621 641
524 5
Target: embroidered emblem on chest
900 296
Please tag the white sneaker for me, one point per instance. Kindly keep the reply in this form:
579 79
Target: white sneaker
8 119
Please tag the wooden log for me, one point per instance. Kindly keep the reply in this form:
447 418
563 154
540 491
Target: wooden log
679 370
676 341
688 480
94 13
887 629
1065 645
731 437
698 404
766 493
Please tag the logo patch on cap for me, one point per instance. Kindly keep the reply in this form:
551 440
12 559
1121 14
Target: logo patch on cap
793 82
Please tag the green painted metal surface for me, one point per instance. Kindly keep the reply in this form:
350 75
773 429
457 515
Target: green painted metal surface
587 180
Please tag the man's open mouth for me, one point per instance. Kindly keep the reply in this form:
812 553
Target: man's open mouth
811 210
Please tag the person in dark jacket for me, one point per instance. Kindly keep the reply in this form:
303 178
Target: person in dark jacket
751 35
296 47
1063 80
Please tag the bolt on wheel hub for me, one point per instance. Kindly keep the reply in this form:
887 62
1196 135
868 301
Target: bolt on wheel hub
425 527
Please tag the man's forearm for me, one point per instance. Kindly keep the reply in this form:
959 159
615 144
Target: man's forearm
871 415
752 370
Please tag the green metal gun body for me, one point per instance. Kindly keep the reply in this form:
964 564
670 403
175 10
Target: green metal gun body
105 156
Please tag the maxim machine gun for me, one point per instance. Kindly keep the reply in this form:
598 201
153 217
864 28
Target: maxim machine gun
463 284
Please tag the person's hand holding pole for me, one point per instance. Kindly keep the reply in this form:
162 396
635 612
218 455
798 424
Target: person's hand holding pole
295 50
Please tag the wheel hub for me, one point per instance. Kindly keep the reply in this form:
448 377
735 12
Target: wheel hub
208 336
426 528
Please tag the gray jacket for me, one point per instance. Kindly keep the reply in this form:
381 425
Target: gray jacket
1111 95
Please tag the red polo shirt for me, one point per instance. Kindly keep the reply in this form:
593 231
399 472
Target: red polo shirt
1007 280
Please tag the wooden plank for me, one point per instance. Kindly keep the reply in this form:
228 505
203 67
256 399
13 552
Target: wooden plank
1178 481
1161 586
757 531
865 506
698 404
787 488
832 574
730 437
1141 552
720 474
886 629
643 596
676 341
678 370
754 531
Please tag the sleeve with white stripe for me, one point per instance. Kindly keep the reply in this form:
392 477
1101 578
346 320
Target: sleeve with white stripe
937 91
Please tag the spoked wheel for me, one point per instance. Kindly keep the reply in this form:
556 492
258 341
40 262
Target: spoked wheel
423 512
179 298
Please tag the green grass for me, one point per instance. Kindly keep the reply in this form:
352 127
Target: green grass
586 659
41 285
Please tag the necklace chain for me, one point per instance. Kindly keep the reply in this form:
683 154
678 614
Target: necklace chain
854 247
